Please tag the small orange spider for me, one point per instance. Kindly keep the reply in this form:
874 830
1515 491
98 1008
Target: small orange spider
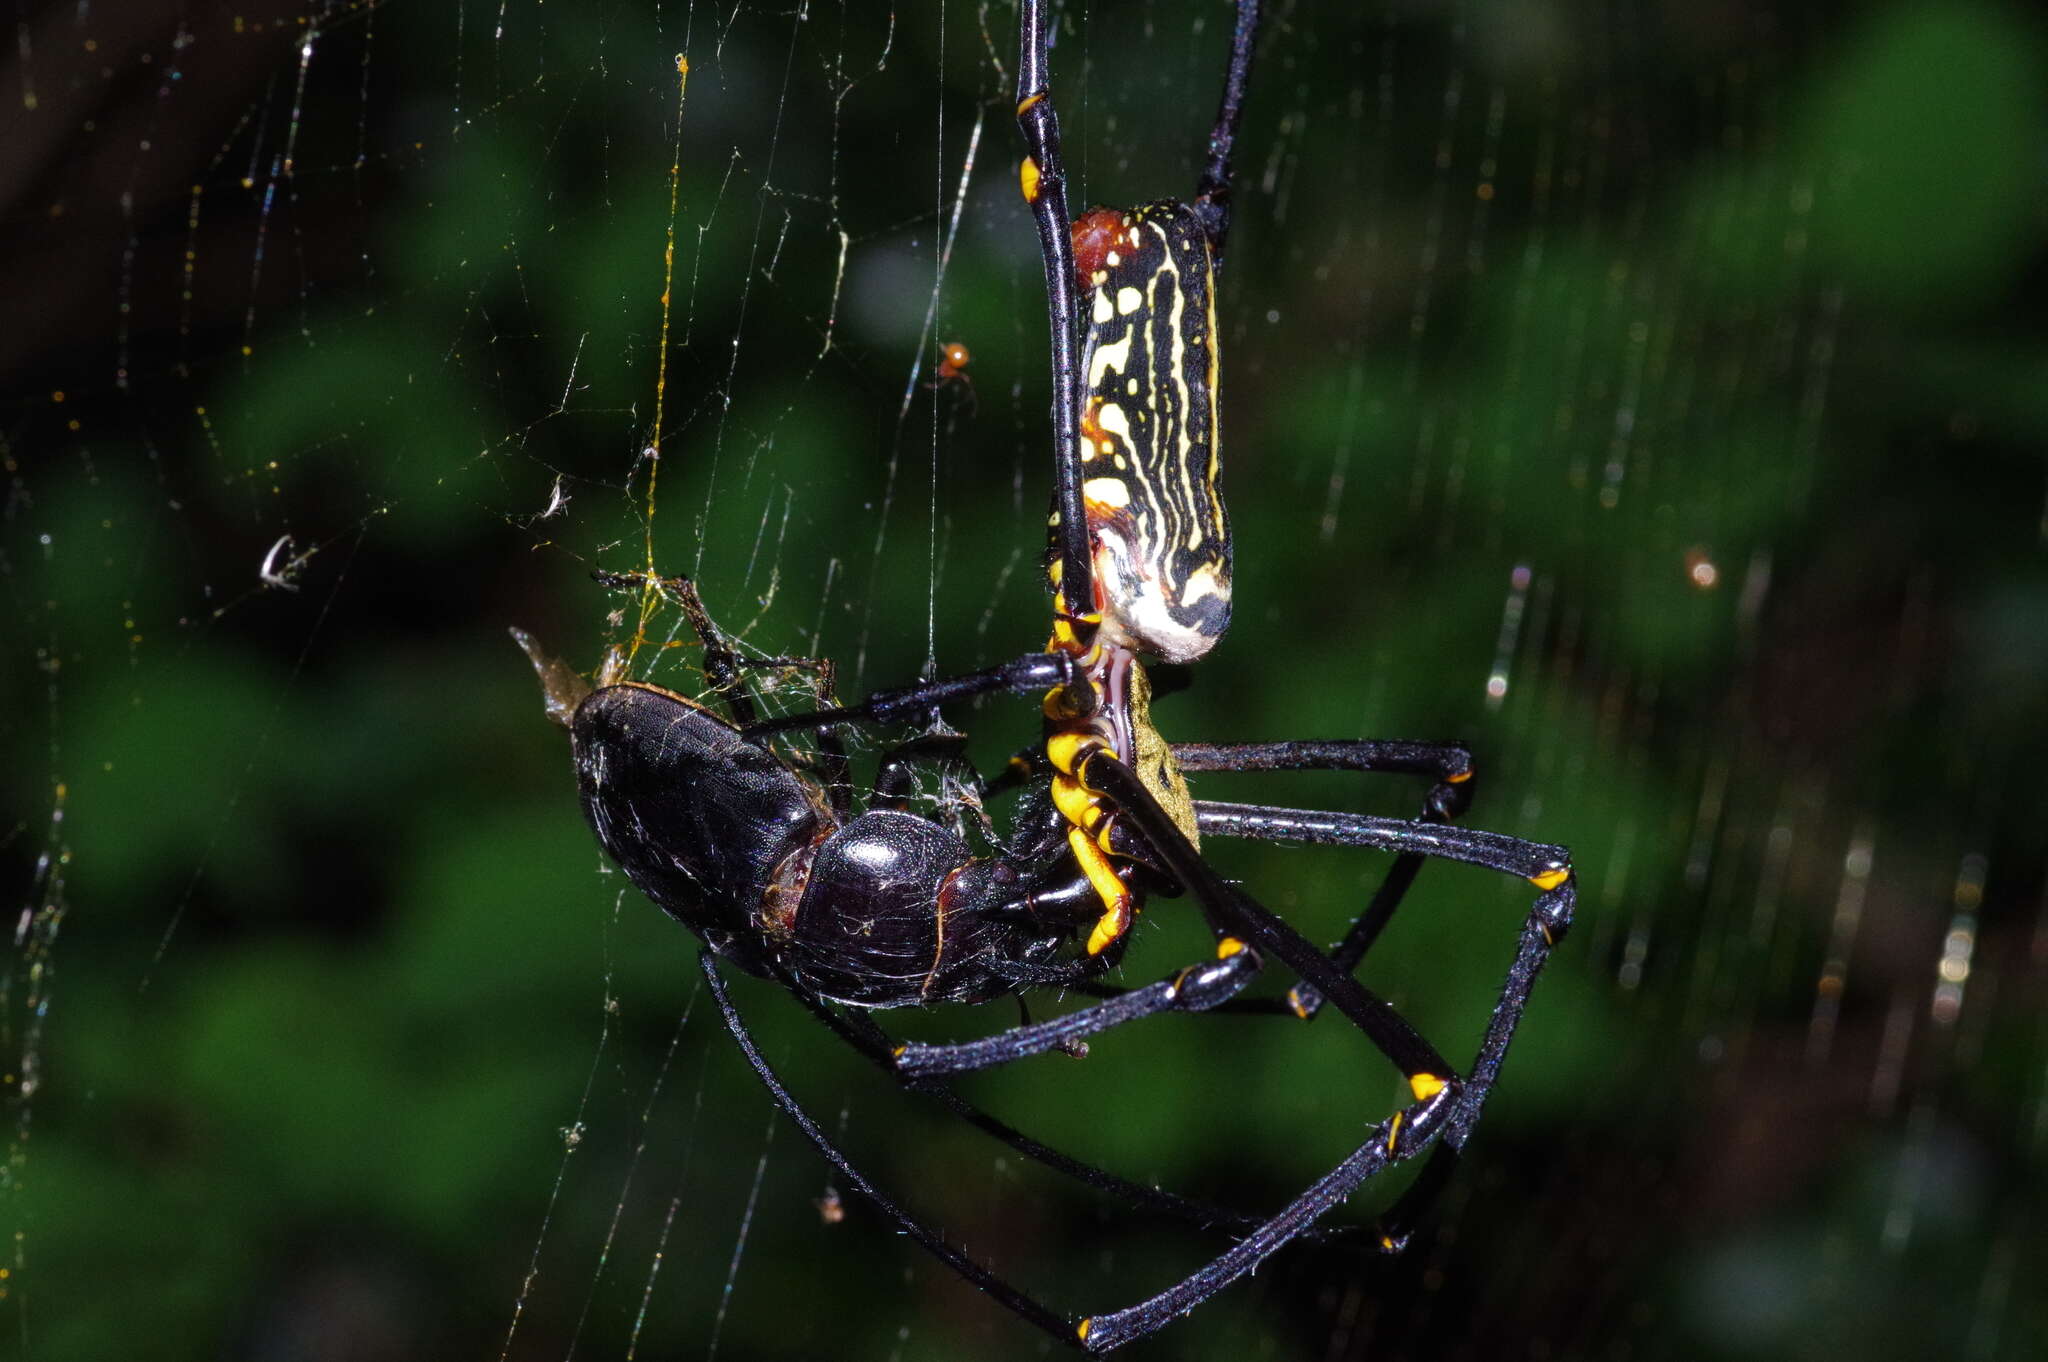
953 360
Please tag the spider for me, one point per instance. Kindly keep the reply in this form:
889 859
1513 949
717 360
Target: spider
765 858
954 357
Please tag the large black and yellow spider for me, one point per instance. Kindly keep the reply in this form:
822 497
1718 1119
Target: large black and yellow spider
766 859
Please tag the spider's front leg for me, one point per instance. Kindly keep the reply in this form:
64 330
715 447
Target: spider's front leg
1197 988
1030 674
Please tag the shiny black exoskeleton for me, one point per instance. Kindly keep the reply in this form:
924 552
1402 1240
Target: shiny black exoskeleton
878 909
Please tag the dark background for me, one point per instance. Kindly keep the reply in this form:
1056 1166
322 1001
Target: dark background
1677 368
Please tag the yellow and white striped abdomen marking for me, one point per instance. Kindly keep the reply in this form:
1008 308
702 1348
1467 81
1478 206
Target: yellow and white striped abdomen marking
1159 546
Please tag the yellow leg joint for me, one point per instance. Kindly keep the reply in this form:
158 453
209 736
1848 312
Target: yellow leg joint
1027 180
1066 632
1073 801
1458 779
1067 751
1059 706
1551 879
1228 947
1082 1332
1116 898
1394 1131
1425 1086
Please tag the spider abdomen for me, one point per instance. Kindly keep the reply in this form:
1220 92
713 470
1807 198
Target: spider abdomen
1159 537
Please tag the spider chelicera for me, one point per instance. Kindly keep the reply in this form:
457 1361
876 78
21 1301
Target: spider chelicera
765 857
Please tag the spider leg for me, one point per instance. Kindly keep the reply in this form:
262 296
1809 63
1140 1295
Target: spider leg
1398 1138
1233 1007
1449 763
1023 675
1212 194
1043 177
1196 988
864 1037
1545 865
925 1237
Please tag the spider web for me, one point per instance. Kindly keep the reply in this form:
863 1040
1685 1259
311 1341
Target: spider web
1648 396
